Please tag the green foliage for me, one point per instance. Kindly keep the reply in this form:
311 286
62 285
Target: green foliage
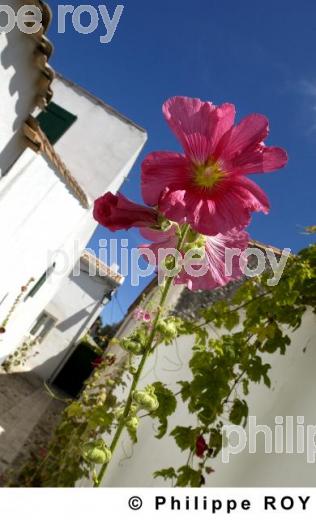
166 474
77 445
224 369
239 412
185 437
310 230
167 406
135 343
249 328
187 476
20 356
167 329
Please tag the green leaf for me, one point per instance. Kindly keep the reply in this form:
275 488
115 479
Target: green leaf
166 474
185 390
98 417
239 412
75 409
185 437
216 440
167 406
231 320
188 477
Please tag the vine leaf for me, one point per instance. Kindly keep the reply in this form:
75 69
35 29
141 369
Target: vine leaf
239 412
166 474
167 406
185 437
188 477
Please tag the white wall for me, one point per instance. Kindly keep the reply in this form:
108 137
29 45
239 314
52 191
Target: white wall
18 88
109 142
38 216
76 306
293 393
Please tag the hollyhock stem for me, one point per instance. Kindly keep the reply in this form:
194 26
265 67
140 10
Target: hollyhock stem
142 363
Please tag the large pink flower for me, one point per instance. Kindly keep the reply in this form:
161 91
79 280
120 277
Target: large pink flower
206 186
160 241
223 261
118 212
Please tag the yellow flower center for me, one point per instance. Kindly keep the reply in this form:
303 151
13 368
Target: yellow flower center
208 175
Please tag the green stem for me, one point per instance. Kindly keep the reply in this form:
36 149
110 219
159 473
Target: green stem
148 351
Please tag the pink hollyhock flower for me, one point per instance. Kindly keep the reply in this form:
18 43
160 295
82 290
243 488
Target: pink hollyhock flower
142 315
118 212
223 266
223 261
200 446
207 185
138 314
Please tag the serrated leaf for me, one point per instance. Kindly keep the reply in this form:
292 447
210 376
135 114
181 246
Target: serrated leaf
166 474
188 476
239 412
185 437
167 406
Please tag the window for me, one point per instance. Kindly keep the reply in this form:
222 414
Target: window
40 282
44 323
55 121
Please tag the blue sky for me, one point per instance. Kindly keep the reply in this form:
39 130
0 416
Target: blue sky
258 55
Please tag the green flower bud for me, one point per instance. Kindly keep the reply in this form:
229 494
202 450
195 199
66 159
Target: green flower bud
146 399
132 424
168 329
97 452
131 346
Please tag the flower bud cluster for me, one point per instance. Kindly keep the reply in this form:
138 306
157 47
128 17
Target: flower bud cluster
136 342
146 399
96 452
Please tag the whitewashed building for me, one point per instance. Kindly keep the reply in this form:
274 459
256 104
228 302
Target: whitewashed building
60 149
68 317
56 157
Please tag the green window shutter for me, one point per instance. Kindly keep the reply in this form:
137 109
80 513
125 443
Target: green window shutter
55 121
40 282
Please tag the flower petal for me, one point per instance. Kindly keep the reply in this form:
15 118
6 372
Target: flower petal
158 248
226 116
208 216
261 160
253 196
248 134
218 211
220 271
198 125
161 169
230 211
117 212
173 205
156 235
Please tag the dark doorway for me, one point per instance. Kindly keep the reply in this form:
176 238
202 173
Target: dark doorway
76 370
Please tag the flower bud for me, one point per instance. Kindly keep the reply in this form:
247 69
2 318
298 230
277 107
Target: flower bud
146 399
97 452
132 424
